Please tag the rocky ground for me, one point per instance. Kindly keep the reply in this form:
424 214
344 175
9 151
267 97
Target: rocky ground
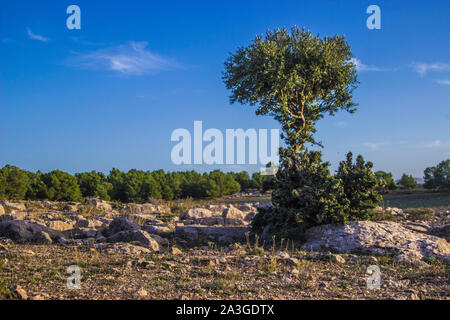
150 251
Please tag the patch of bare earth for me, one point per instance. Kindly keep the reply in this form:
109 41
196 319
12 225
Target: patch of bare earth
219 273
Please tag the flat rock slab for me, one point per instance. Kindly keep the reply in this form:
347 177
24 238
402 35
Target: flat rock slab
121 248
24 231
208 233
377 238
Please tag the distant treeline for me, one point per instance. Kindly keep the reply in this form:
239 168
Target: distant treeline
141 186
132 186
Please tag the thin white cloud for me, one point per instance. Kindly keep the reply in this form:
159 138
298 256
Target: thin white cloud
364 67
423 68
38 37
132 58
434 144
374 145
443 81
437 144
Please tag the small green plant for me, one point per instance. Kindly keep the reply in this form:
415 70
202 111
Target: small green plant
430 259
416 214
223 285
230 275
272 265
254 250
382 215
257 251
5 292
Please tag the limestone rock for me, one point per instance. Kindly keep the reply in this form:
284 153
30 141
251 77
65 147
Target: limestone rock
338 258
122 224
441 231
42 237
146 208
196 213
234 222
81 233
61 225
162 231
396 211
14 216
19 292
202 233
71 208
88 223
233 213
161 241
377 238
249 216
141 293
23 231
174 251
364 259
246 207
121 248
417 226
143 218
16 206
100 204
208 221
216 209
140 236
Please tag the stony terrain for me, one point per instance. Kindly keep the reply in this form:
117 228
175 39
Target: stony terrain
149 251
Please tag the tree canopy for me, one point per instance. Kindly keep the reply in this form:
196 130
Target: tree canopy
408 182
295 77
438 177
132 186
385 180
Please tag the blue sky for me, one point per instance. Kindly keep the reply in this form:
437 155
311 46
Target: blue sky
110 94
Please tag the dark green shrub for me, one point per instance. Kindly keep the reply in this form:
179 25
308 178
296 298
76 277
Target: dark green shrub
438 177
415 214
14 183
61 186
360 187
305 195
94 184
408 182
385 181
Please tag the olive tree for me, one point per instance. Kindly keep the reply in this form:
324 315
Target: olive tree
297 78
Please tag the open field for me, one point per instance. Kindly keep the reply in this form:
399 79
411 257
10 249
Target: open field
219 273
398 199
418 199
